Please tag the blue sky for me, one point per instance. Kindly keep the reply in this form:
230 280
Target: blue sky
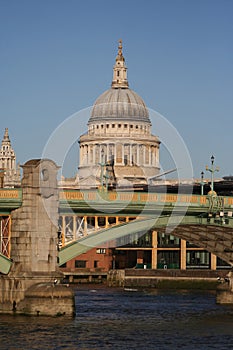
56 58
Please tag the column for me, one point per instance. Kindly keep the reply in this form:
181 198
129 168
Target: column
182 254
150 153
96 223
106 222
157 156
213 261
130 154
154 156
63 230
107 145
94 150
85 226
115 151
122 154
74 227
144 154
154 249
81 155
138 159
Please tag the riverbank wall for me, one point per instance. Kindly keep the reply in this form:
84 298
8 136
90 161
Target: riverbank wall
166 279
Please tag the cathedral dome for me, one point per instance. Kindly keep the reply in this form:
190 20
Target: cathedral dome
119 103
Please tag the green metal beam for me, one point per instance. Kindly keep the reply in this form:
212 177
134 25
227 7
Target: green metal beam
141 226
5 264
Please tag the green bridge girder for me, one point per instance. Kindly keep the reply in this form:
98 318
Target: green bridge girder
210 233
136 203
10 199
5 264
187 216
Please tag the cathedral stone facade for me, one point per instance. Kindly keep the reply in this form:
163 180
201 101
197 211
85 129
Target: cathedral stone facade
119 146
9 171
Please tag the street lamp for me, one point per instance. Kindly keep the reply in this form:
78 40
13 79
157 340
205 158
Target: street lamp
202 183
212 171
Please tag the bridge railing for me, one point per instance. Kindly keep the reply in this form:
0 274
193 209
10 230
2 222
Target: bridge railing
10 199
139 197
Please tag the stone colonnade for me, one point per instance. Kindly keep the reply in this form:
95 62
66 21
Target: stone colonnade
122 154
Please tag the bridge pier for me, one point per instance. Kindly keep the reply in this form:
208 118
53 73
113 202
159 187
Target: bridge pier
225 290
32 286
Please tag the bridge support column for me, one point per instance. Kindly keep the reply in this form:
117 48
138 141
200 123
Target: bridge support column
63 229
183 254
106 222
74 227
96 223
85 225
225 290
32 286
213 262
154 250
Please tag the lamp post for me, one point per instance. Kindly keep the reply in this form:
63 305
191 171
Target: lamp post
212 170
202 183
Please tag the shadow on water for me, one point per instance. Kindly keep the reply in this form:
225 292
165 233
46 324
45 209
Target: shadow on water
125 319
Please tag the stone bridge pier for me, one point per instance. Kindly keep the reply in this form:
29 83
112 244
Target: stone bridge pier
32 286
225 290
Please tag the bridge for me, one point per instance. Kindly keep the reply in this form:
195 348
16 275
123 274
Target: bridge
204 220
30 216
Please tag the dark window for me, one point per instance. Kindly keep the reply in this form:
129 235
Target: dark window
80 263
95 264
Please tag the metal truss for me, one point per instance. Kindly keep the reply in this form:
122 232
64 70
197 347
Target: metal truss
5 235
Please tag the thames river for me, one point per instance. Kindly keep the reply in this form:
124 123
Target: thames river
127 319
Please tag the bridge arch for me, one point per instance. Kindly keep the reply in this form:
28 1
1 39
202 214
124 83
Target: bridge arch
213 235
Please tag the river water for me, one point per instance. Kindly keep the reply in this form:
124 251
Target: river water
126 319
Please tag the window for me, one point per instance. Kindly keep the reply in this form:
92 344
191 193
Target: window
95 263
107 126
118 73
101 251
125 126
119 125
113 125
80 263
131 126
